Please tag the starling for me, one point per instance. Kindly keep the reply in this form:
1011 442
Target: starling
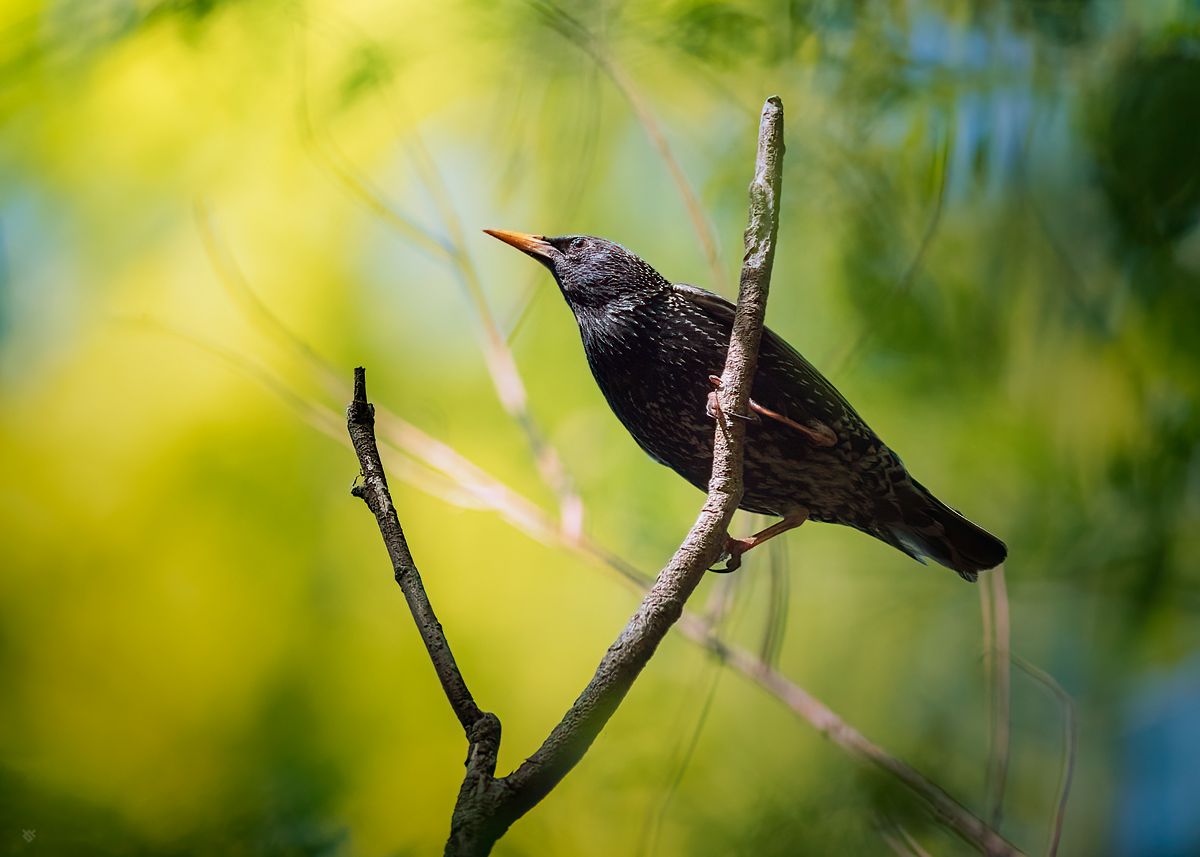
657 349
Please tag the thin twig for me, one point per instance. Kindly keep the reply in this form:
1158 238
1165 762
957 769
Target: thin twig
948 810
716 612
1070 747
576 32
451 251
682 759
987 617
373 490
885 306
994 604
778 601
900 840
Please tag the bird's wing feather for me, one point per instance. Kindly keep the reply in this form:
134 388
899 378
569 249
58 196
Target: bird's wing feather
785 382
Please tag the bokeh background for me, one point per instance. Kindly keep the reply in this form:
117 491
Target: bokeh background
211 211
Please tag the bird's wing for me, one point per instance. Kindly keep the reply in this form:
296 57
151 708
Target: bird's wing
785 383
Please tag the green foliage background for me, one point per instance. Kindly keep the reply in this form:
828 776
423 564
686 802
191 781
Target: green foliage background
989 241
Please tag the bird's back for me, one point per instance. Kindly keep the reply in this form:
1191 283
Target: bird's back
653 361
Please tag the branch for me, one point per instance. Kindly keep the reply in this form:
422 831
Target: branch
360 421
487 806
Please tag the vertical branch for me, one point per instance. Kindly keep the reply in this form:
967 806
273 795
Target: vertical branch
993 595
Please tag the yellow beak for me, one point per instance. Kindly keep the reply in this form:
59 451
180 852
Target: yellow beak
534 245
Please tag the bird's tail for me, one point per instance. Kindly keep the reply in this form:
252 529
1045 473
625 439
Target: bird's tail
932 529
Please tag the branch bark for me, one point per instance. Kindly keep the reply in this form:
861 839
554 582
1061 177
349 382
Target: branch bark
360 421
487 806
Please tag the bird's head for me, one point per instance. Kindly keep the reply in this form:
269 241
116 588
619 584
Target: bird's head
591 272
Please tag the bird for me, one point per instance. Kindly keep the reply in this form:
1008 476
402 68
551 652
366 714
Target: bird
656 350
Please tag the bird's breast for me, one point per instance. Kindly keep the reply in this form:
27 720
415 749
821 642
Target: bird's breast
654 370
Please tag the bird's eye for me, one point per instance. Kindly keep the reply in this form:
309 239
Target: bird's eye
576 245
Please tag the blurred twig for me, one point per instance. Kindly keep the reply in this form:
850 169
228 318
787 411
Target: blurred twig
578 34
1070 746
681 759
399 433
451 250
884 307
777 602
949 811
411 469
900 840
993 600
716 612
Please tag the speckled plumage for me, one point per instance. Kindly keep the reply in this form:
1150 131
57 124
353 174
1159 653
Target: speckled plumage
652 346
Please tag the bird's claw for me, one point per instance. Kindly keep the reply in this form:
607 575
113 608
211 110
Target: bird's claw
713 406
731 556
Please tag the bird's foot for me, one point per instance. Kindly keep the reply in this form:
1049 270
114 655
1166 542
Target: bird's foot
734 548
731 556
818 434
713 408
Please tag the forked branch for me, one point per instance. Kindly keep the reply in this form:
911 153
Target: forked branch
486 805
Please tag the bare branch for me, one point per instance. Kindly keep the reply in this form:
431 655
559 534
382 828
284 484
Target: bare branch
360 421
663 604
486 807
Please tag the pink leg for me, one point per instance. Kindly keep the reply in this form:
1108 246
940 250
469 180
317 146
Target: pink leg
736 547
822 435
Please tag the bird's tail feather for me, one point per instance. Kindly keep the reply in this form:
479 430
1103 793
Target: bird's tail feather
931 528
